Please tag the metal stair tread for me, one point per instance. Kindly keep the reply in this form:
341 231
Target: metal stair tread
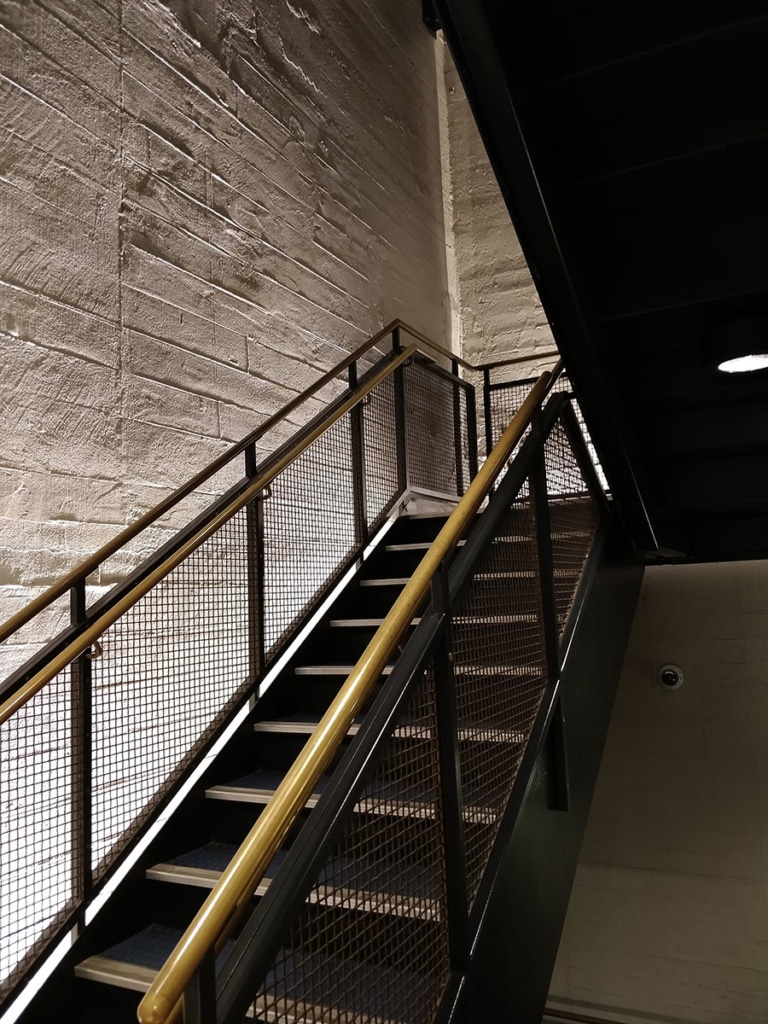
332 670
401 890
363 623
133 963
479 732
419 545
202 867
376 798
384 995
388 581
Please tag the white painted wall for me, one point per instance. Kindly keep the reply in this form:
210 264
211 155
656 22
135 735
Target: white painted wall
498 309
668 920
203 205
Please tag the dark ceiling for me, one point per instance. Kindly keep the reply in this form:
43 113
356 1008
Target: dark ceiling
631 144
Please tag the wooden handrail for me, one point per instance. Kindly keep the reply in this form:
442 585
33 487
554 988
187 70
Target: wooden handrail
238 882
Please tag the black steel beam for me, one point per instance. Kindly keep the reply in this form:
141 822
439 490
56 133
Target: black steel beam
483 63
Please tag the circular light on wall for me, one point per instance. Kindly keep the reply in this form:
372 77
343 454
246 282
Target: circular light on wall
745 364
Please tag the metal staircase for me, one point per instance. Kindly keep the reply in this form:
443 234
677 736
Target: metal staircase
341 856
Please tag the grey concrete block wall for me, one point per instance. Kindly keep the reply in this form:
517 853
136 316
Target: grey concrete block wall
204 206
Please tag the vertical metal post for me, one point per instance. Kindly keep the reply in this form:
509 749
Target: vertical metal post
457 433
557 737
82 754
450 782
487 411
400 425
254 520
357 436
469 394
200 993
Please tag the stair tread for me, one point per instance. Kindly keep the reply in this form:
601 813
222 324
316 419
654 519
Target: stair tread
364 623
332 670
134 962
352 990
301 724
398 799
404 890
386 581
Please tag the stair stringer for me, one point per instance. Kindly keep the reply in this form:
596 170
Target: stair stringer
520 911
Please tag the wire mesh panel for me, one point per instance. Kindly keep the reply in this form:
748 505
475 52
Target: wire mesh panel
506 400
573 515
309 531
40 882
500 671
371 944
380 446
171 668
430 430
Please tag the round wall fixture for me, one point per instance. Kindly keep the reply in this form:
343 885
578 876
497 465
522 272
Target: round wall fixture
671 677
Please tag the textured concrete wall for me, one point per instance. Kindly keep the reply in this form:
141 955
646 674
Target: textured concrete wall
204 204
668 920
498 309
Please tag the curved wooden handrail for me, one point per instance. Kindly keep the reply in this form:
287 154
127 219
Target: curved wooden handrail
238 882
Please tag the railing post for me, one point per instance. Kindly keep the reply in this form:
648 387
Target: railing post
471 431
357 436
254 519
549 615
457 434
450 780
487 411
400 426
82 753
200 993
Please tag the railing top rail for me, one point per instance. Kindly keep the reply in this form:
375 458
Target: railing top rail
89 565
237 883
86 638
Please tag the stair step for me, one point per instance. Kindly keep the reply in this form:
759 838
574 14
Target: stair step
133 963
333 670
490 620
399 801
421 545
390 1000
403 890
305 725
202 867
363 623
394 581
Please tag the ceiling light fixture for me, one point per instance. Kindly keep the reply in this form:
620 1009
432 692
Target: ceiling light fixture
740 345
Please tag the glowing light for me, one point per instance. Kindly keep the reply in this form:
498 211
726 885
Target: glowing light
745 364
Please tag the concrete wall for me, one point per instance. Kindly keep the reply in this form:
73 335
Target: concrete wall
668 920
498 312
204 205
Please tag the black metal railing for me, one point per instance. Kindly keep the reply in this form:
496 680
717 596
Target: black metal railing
91 756
373 912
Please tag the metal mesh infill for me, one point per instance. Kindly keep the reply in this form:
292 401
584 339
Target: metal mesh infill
371 944
573 515
500 671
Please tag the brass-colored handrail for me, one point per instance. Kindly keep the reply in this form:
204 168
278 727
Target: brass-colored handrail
90 564
97 628
238 882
